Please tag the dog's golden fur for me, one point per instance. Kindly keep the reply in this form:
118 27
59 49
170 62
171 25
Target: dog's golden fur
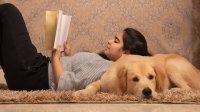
144 76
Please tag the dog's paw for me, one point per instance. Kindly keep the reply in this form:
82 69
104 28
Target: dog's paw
175 89
80 93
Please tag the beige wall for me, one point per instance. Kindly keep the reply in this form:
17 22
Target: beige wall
168 25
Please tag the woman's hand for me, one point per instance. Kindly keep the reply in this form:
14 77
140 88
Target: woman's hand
67 49
56 53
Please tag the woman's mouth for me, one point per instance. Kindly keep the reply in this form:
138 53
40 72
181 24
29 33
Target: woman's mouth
107 47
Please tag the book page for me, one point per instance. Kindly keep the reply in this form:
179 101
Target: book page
64 30
58 30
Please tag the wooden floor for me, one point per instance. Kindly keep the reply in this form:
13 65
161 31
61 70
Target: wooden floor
99 108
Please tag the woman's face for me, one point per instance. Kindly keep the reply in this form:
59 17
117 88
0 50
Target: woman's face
114 48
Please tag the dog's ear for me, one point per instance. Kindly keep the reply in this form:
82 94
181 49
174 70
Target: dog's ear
122 78
160 78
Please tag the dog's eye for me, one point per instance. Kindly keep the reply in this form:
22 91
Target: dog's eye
150 77
135 79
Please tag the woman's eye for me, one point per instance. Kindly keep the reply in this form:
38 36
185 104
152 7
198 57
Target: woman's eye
116 40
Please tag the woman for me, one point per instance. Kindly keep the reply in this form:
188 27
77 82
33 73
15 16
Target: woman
26 69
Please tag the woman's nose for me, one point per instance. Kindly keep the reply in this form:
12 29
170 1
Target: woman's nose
109 41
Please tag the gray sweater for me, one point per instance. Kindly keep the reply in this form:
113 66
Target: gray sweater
80 70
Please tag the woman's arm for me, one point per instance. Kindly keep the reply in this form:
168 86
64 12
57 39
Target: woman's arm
55 59
56 65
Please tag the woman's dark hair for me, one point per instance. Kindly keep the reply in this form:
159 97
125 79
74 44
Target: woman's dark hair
135 42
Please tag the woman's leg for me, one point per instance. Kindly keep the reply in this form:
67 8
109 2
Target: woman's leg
24 68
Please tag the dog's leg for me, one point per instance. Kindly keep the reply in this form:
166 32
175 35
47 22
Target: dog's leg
178 80
181 72
91 89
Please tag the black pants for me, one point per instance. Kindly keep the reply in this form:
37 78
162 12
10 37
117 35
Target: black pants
24 67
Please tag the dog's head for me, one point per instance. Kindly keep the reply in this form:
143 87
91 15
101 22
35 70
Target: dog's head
141 79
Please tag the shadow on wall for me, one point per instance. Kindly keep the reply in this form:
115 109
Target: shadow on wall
196 29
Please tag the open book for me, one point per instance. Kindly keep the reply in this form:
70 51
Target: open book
56 29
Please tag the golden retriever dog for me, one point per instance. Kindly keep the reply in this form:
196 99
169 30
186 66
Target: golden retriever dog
145 76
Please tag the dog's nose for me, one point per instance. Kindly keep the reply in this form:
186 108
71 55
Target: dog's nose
147 92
